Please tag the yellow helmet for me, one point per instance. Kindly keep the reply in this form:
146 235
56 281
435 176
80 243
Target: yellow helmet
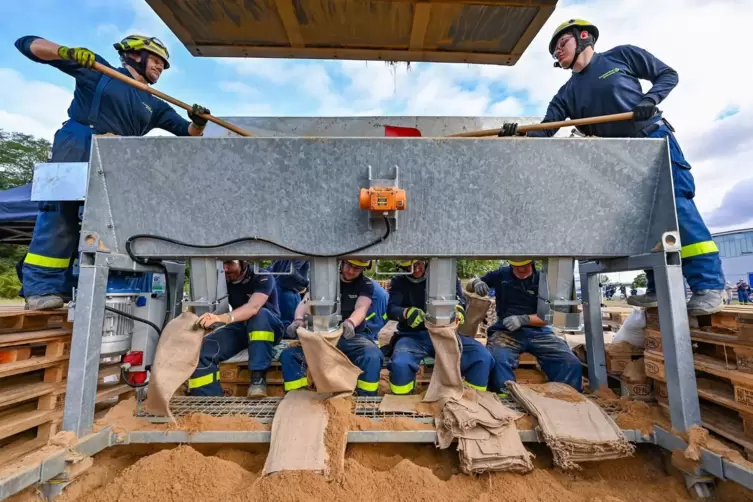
570 24
360 263
519 263
140 43
407 263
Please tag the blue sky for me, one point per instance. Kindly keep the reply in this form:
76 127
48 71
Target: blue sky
712 107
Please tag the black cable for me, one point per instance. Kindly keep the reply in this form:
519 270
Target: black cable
158 262
137 319
124 376
147 261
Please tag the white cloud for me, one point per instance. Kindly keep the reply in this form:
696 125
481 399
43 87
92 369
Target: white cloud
30 106
508 107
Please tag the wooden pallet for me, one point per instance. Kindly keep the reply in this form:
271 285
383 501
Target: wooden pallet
734 321
618 356
32 320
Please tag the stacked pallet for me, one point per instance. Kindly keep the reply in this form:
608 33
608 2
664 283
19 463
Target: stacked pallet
34 353
723 360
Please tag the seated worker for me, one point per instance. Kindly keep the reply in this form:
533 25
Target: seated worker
518 328
253 323
411 343
290 286
356 342
376 318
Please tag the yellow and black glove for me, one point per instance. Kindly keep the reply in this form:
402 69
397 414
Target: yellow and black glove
414 317
80 55
459 314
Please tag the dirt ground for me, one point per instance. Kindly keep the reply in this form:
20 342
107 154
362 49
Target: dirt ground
372 473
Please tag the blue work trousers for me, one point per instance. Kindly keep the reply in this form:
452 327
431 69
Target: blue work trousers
742 296
701 264
288 300
554 356
361 350
48 266
411 348
260 334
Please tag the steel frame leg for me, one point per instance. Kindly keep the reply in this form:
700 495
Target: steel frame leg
441 290
595 352
207 285
678 353
83 369
324 293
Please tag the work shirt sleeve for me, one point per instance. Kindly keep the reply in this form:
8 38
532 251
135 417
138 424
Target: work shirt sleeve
263 284
301 273
72 68
646 66
460 294
166 118
556 111
492 279
366 288
395 301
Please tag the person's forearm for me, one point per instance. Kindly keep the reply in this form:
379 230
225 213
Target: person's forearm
250 309
301 309
194 131
358 315
44 49
536 321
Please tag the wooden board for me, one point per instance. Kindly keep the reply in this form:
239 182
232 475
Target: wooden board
32 320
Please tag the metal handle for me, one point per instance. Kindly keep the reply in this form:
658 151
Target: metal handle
259 271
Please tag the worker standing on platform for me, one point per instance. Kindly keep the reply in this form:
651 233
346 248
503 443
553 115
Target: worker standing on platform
291 283
411 343
607 83
100 105
254 323
356 342
518 328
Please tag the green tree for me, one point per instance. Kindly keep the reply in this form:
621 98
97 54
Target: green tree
640 281
18 154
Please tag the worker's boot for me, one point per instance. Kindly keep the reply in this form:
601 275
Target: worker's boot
258 387
44 302
646 301
705 302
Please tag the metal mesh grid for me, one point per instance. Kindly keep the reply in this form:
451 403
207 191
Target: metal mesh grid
263 410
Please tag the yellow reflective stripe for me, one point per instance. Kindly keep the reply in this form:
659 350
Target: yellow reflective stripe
371 316
477 387
46 261
401 389
384 316
367 386
297 384
503 394
195 383
699 248
261 336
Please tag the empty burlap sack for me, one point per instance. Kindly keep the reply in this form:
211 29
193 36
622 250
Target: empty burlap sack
298 434
446 381
330 369
175 361
475 314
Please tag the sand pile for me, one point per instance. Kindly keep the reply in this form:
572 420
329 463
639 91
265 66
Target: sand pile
398 473
198 422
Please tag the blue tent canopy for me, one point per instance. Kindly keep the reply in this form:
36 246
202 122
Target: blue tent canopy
17 215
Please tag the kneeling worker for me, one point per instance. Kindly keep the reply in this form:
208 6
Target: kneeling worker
356 342
411 343
518 328
254 323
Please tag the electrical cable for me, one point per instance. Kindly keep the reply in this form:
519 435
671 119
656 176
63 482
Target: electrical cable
158 262
137 319
124 377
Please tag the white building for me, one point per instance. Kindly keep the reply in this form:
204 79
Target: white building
736 252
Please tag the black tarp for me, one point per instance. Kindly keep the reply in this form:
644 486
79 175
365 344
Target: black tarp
17 215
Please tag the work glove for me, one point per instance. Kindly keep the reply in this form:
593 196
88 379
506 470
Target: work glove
292 330
199 122
480 287
414 317
80 55
349 331
508 129
515 322
459 314
645 110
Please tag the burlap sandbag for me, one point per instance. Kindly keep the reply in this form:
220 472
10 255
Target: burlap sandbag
175 361
446 381
475 314
330 369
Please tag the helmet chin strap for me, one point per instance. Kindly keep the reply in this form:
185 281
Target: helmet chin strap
139 66
580 46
